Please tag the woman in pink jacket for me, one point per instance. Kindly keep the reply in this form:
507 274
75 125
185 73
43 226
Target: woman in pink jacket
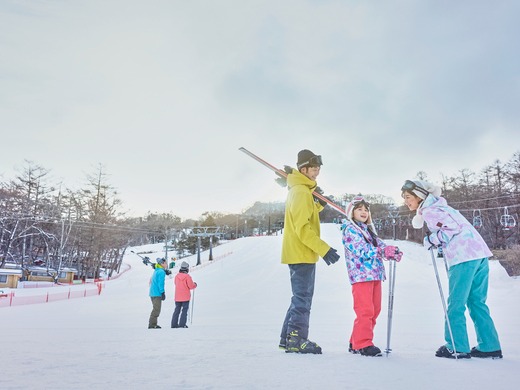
183 286
467 255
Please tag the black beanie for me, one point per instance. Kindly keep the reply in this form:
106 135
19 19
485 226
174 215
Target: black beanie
304 159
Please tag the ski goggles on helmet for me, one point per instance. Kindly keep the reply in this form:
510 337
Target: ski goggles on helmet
359 201
314 161
411 186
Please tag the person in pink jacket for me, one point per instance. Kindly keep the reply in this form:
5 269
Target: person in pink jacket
183 286
467 255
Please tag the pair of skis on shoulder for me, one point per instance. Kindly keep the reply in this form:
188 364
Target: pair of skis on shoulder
281 173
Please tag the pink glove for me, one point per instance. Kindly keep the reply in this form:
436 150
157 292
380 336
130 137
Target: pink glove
392 253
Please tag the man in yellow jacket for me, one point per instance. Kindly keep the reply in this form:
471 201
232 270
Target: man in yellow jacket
301 249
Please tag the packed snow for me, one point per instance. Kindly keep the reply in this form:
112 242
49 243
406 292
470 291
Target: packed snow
232 339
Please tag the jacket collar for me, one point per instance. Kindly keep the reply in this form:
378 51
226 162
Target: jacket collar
297 178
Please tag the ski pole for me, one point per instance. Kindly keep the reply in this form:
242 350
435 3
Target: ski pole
391 289
443 303
192 304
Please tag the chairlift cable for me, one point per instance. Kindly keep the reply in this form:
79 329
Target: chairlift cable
485 199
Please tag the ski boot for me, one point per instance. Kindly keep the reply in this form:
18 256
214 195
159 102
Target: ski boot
371 350
486 355
298 344
352 350
445 352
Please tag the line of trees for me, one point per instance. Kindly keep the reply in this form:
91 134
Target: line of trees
42 224
56 227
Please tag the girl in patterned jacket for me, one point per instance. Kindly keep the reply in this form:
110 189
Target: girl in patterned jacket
466 254
364 252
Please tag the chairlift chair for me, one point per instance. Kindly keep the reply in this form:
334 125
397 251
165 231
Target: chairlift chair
477 219
507 221
393 213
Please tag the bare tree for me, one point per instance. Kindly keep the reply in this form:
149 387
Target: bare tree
101 209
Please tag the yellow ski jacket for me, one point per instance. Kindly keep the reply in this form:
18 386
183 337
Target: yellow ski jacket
301 236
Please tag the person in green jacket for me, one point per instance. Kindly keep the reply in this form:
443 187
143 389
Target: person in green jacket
301 249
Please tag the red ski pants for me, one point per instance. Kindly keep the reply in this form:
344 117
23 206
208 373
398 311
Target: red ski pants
367 306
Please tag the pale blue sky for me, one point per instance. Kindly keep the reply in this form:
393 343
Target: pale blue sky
163 93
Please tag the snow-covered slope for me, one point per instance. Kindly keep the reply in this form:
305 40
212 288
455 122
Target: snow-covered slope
103 341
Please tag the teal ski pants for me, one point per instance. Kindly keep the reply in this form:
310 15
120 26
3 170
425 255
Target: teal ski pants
468 287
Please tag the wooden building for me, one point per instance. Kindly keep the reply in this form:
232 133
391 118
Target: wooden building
10 275
43 274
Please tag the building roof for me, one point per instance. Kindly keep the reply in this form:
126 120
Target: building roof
10 271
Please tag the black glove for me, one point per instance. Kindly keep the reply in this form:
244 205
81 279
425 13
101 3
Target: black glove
331 256
316 199
322 202
163 296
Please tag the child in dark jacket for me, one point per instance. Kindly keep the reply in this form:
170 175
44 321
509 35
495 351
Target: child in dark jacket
183 286
364 252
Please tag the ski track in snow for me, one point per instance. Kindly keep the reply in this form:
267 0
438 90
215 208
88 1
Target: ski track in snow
103 341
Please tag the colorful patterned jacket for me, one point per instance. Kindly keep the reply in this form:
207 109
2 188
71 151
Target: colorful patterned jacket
460 241
364 262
